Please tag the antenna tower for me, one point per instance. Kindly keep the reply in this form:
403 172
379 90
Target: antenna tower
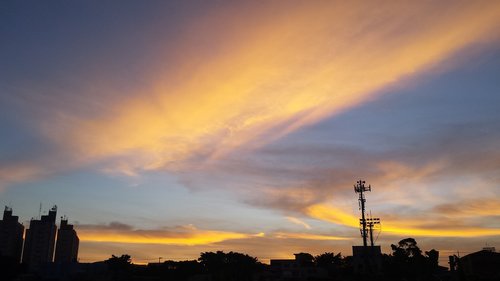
366 225
360 188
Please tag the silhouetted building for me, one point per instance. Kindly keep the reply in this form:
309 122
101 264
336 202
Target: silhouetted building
40 240
482 265
11 235
300 268
366 260
67 243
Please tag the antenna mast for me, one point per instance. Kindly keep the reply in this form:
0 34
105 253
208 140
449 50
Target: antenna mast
360 188
40 211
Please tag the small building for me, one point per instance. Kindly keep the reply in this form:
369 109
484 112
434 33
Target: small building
366 260
67 243
482 265
11 236
300 268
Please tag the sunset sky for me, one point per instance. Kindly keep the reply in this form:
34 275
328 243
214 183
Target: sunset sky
168 128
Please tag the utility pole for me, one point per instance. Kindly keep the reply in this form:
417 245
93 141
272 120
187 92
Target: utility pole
371 223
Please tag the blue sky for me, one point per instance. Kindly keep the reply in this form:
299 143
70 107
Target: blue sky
167 129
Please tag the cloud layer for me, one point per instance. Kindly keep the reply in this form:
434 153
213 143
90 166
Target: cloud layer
253 82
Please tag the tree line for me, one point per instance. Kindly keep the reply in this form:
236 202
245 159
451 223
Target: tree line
406 262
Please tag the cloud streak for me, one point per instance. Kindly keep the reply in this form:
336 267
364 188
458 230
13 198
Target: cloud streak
258 81
392 225
185 235
298 222
189 235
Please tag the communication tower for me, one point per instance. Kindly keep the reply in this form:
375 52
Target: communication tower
360 188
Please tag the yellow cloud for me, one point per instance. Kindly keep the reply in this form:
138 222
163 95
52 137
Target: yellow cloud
332 214
307 236
271 73
402 229
189 236
400 226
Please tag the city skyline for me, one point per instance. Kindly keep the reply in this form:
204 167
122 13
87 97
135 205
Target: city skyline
170 129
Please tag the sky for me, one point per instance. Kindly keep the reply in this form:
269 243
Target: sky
171 128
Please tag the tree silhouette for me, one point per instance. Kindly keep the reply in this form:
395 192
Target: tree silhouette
432 260
328 259
330 262
407 261
406 249
119 266
229 266
173 270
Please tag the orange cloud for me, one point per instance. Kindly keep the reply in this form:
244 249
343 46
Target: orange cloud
183 236
401 225
332 214
471 208
19 172
187 236
292 67
308 236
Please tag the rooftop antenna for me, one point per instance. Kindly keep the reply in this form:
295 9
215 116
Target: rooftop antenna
40 211
360 188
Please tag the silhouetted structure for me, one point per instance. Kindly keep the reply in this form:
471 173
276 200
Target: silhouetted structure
232 266
11 236
300 268
405 263
372 224
366 259
40 240
482 265
67 243
361 188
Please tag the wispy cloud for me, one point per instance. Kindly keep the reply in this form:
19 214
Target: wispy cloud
308 236
251 82
418 190
297 65
485 206
185 235
299 222
11 173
